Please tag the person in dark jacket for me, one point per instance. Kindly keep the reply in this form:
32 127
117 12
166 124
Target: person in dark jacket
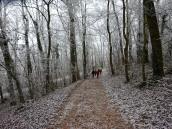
93 73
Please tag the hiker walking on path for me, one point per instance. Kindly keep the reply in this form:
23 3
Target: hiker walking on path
97 73
100 71
93 73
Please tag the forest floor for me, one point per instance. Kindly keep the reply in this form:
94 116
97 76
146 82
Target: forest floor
148 107
88 107
35 114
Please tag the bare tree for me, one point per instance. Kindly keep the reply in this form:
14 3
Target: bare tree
126 37
84 20
28 58
119 31
9 64
110 39
157 58
73 52
48 20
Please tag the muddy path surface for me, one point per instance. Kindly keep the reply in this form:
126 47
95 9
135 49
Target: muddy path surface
88 107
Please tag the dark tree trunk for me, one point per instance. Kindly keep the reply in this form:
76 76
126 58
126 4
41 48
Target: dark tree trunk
110 40
47 71
8 60
38 37
139 44
145 55
157 57
139 47
84 43
1 94
146 36
164 20
127 43
11 73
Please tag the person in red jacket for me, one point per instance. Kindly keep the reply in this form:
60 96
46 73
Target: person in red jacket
100 71
97 73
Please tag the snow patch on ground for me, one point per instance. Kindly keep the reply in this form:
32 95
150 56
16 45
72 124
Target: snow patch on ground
35 115
146 108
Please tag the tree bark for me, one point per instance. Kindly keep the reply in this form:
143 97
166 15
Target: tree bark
146 38
11 73
73 52
47 70
84 43
140 41
157 57
144 49
126 40
163 24
1 94
109 40
8 60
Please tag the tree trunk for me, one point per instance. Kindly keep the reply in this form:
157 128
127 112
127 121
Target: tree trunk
163 24
11 73
84 43
19 89
139 43
47 71
129 36
29 64
119 31
146 37
144 48
8 60
73 52
39 44
110 40
157 57
1 94
127 42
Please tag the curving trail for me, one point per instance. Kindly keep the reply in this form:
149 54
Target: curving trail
88 107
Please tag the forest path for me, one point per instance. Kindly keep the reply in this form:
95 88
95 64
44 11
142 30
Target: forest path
88 107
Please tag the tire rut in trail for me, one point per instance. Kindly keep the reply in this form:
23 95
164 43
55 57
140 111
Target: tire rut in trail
88 108
59 112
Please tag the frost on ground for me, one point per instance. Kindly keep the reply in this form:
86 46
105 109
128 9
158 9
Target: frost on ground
36 115
146 108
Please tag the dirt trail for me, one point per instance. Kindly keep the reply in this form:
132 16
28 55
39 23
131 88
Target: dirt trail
88 108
